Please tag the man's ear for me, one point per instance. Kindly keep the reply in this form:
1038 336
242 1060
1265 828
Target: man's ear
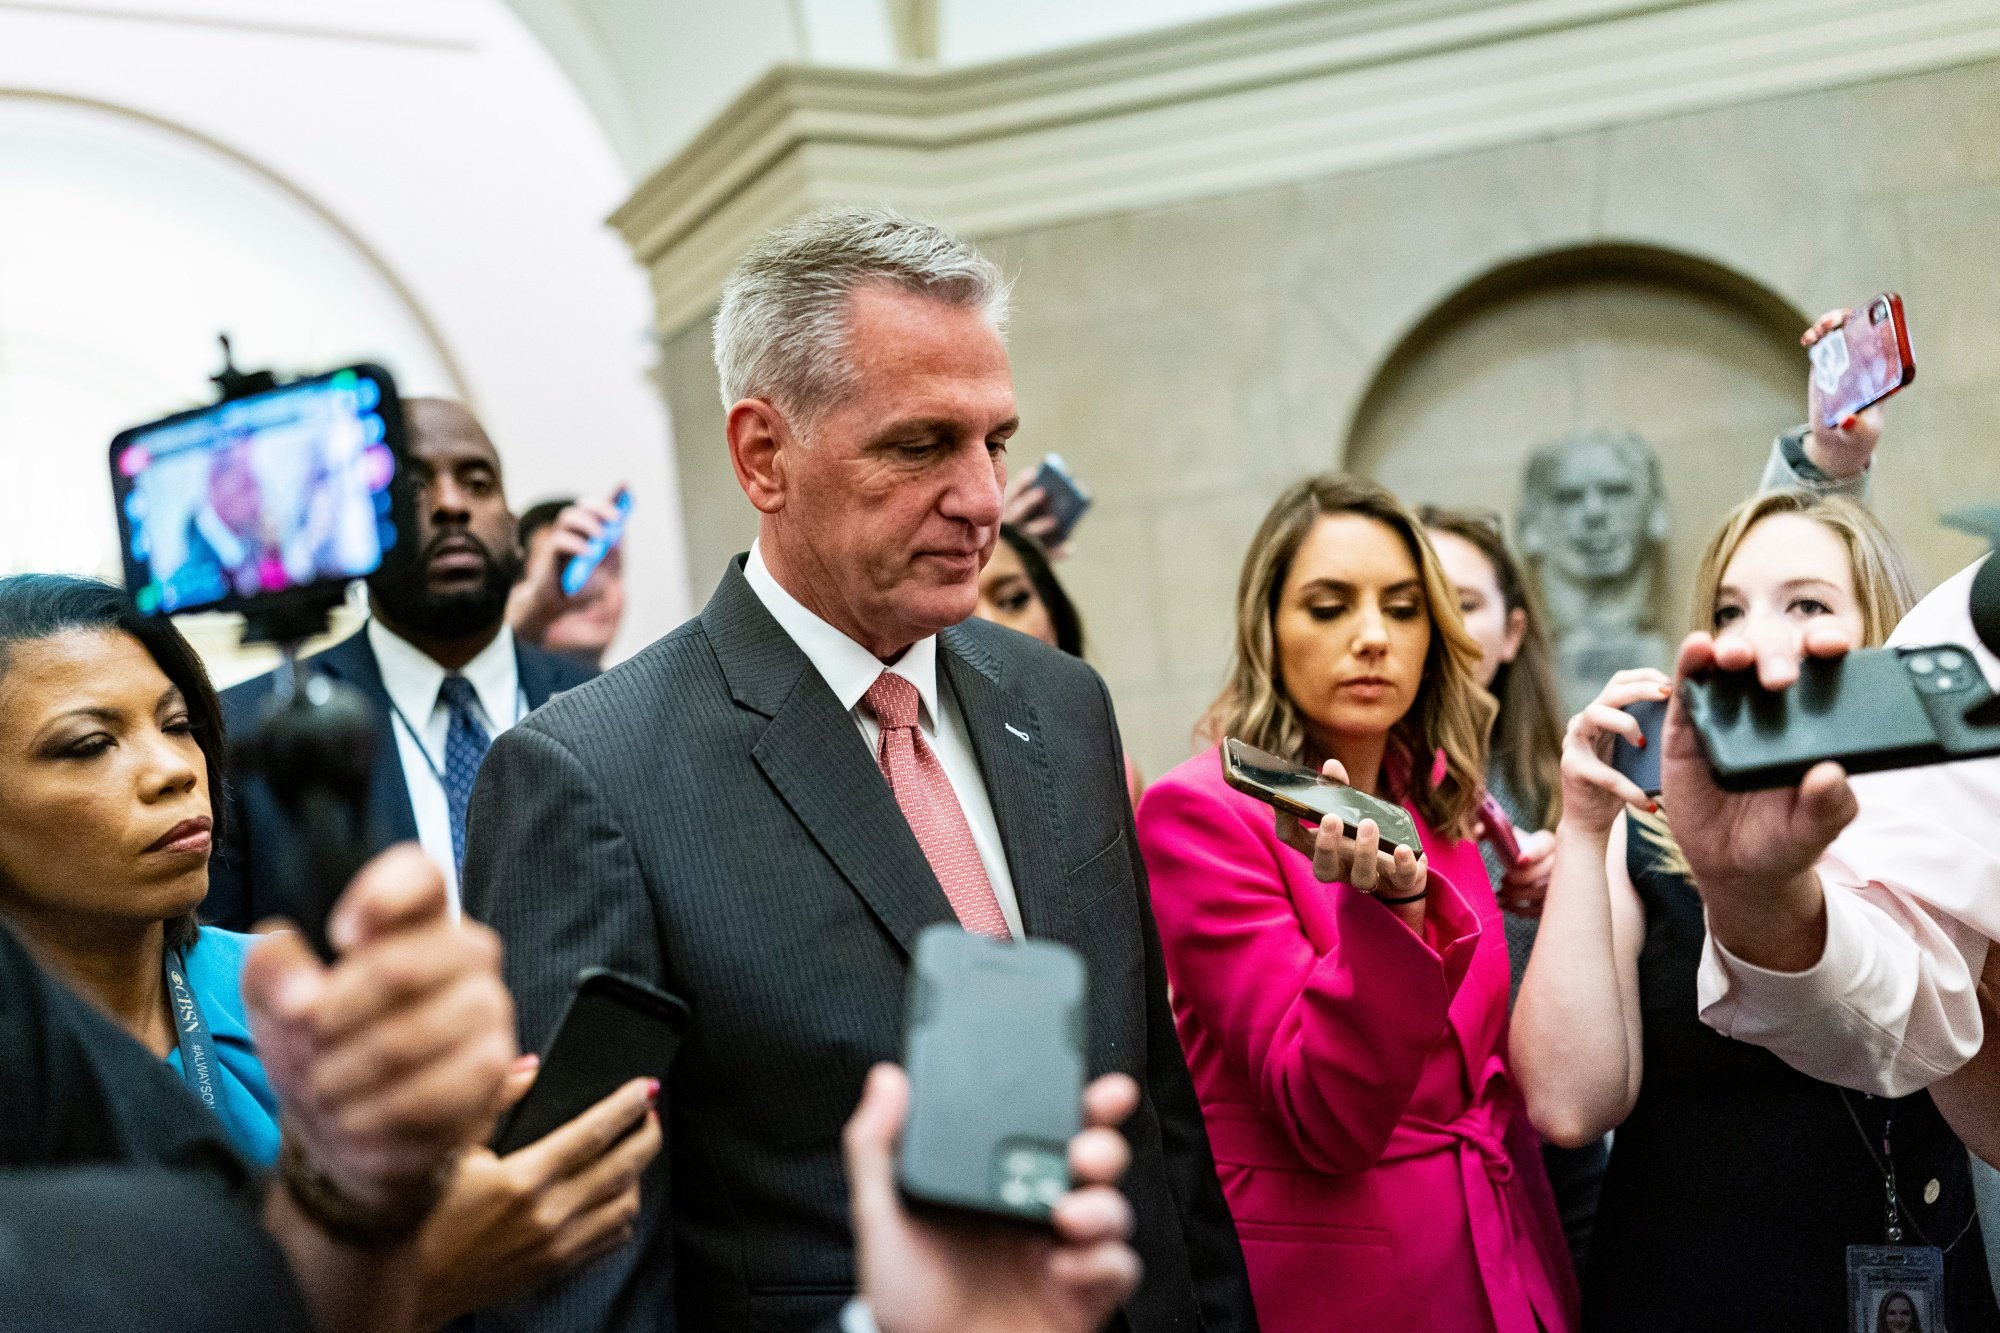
760 445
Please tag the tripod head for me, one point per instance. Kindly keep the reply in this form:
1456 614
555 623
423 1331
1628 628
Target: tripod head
315 742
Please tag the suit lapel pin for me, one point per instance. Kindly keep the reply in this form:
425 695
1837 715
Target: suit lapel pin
1016 731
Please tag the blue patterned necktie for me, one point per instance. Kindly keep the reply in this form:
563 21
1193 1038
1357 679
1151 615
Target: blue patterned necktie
465 746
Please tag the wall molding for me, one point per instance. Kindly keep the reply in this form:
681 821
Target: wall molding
1246 102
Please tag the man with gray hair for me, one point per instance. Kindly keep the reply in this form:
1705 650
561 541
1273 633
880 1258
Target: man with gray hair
760 812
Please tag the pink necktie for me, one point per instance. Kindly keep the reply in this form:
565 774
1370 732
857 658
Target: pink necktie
931 806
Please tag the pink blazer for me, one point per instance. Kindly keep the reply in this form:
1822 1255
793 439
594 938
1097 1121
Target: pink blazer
1353 1077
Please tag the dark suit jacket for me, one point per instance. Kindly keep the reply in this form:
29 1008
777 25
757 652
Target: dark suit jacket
243 876
708 818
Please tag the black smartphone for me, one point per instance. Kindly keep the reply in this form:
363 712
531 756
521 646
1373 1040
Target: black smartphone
994 1047
614 1029
1641 763
1063 498
1869 710
1297 790
288 493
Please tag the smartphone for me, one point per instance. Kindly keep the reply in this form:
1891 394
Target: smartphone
994 1047
283 493
1297 790
585 562
615 1029
1864 360
1063 498
1499 832
1874 709
1641 763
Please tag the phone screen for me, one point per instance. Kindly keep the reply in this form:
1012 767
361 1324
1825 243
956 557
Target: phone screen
1298 790
1864 360
271 493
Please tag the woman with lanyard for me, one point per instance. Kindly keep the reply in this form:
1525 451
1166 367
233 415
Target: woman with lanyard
1740 1193
110 747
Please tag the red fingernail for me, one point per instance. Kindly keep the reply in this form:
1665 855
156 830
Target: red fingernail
1652 807
1849 423
652 1091
1641 742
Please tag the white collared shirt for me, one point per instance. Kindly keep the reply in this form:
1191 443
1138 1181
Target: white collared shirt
413 680
849 669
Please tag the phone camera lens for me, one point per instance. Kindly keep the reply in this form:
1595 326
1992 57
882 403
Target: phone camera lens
1922 664
1951 660
1878 312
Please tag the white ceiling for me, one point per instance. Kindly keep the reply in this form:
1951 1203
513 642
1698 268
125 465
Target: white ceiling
656 71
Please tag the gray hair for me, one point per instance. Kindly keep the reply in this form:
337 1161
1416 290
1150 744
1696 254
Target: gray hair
781 332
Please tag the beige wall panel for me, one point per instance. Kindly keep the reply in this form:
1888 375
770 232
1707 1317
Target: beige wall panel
1188 361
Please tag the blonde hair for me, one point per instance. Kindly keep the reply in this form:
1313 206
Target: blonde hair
1885 588
1451 713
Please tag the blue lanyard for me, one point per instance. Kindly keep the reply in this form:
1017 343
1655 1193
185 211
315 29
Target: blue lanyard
191 1031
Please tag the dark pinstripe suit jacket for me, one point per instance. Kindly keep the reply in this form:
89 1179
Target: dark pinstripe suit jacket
707 817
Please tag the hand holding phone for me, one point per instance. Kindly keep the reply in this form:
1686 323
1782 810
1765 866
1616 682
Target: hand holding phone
1059 501
582 565
1300 792
1862 361
615 1029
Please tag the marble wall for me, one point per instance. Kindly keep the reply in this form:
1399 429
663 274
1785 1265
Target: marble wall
1433 322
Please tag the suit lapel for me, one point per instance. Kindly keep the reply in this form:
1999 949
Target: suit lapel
821 768
391 817
1007 740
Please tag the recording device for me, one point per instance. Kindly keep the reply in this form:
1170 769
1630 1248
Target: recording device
1297 790
1874 709
1641 763
278 498
615 1029
1864 360
1063 498
585 562
270 502
1499 833
994 1048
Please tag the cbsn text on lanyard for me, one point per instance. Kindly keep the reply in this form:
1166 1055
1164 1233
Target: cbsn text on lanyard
191 1032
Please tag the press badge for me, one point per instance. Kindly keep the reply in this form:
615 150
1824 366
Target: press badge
1895 1289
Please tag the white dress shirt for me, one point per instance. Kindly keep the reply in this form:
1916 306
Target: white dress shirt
849 669
422 722
1912 903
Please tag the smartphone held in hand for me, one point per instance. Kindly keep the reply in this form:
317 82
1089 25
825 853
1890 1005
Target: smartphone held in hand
616 1029
1297 790
994 1047
1864 360
1878 708
1064 498
585 562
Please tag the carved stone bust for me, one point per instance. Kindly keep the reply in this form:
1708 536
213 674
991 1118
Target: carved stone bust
1593 519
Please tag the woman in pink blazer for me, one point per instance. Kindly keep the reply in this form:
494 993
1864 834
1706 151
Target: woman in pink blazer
1344 1013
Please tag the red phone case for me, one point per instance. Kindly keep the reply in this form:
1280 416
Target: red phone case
1864 360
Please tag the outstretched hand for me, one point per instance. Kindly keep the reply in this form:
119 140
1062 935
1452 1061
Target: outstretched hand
1752 853
967 1275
